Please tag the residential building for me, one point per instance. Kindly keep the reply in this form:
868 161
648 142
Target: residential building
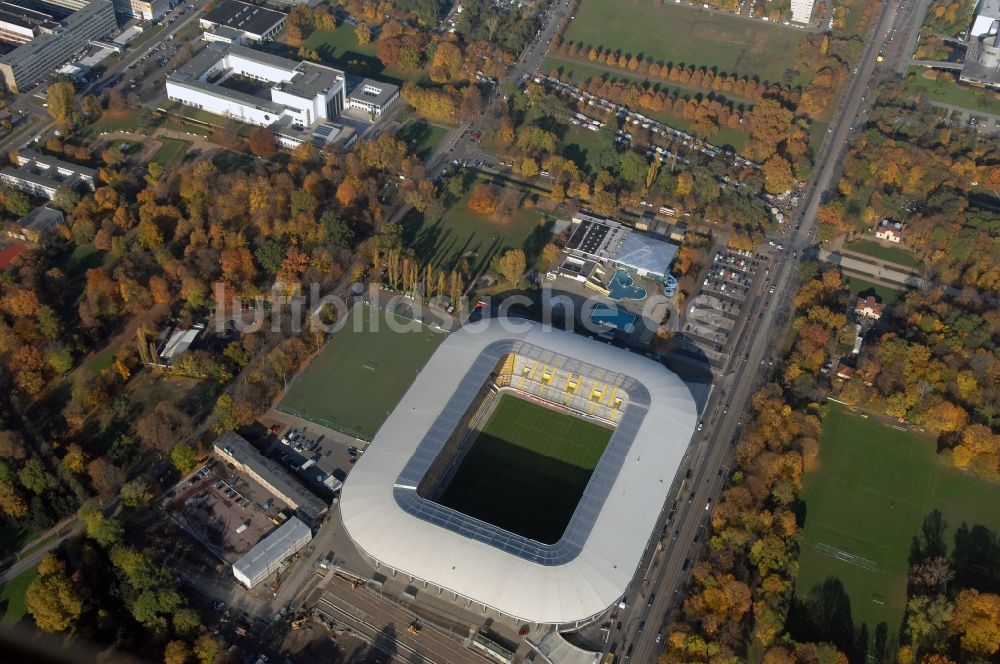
868 307
802 10
147 10
845 372
372 97
36 225
41 175
221 79
235 449
70 28
235 22
268 555
890 231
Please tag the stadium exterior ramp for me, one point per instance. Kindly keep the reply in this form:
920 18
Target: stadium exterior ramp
568 583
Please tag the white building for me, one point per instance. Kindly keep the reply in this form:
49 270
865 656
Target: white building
291 94
235 22
268 554
802 10
41 175
69 27
372 97
890 231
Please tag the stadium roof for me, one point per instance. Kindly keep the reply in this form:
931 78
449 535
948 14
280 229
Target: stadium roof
591 567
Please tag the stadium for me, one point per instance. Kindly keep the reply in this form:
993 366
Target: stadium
523 472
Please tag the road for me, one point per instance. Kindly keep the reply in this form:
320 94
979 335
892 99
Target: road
726 411
459 145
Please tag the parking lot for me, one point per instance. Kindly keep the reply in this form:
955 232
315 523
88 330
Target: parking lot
713 313
314 454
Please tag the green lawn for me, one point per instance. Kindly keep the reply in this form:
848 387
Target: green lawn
527 469
126 120
461 233
340 47
863 287
362 373
890 254
641 27
873 486
946 90
12 604
422 137
172 150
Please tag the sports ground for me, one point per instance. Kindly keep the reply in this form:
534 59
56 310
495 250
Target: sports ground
527 469
733 45
362 372
868 496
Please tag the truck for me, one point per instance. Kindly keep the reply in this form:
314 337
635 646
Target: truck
307 464
332 483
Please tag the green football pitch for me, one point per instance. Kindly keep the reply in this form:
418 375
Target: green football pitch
362 372
527 469
868 497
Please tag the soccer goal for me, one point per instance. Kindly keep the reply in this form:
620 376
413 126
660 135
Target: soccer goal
840 554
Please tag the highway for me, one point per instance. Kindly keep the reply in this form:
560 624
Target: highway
726 411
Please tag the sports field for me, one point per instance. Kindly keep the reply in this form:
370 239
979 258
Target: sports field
868 497
362 373
527 469
890 254
685 35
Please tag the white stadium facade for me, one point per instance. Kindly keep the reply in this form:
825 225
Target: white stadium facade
567 583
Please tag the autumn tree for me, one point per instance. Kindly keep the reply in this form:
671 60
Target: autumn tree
363 33
60 97
777 175
53 600
976 621
484 199
512 265
262 142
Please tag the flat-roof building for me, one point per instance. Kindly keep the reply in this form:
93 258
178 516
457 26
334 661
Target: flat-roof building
41 175
372 96
268 554
303 94
600 239
235 449
52 42
235 22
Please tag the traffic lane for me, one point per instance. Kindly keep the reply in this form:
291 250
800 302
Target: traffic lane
381 615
